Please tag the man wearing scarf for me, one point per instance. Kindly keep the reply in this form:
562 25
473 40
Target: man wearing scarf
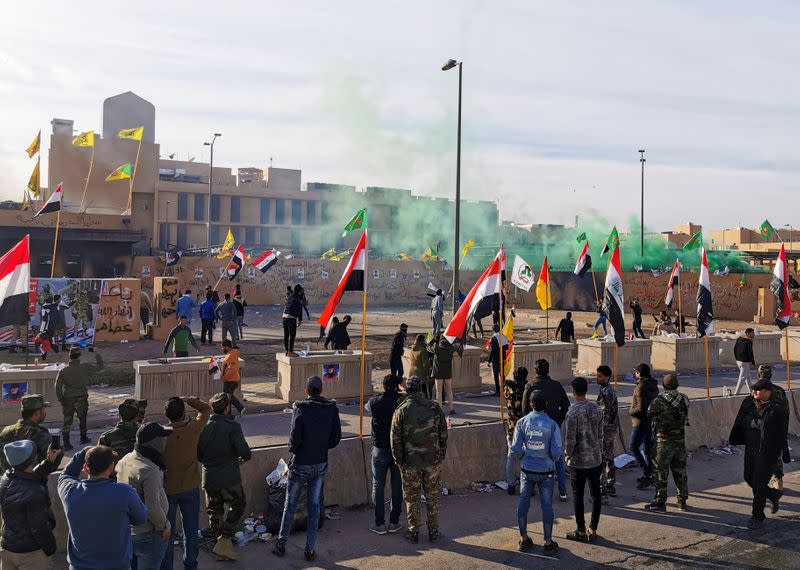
143 469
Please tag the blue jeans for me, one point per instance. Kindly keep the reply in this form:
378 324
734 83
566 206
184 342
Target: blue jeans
148 550
189 504
601 321
641 435
383 462
299 476
545 484
511 464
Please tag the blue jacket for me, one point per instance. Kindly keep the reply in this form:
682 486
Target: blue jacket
184 306
100 513
537 441
315 429
225 311
207 309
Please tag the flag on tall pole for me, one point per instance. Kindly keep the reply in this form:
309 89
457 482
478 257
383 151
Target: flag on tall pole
171 258
614 299
780 288
266 260
15 279
695 242
584 262
33 148
581 237
705 313
53 203
674 279
611 243
353 279
121 173
228 246
543 287
358 221
236 263
766 230
133 134
33 182
467 247
487 290
522 274
84 139
508 333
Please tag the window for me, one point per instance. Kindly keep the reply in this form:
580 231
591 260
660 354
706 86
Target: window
234 208
279 211
181 238
214 208
264 236
250 236
183 206
311 213
296 216
163 236
199 207
323 211
44 264
264 211
213 238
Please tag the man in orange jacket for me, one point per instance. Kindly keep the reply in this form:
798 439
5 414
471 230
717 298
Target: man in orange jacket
231 377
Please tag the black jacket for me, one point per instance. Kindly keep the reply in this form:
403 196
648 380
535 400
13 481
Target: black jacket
743 350
557 399
294 306
239 306
764 434
567 329
382 409
315 429
339 337
27 516
398 343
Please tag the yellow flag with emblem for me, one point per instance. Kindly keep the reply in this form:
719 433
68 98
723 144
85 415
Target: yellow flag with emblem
84 139
133 134
467 247
508 333
228 246
33 148
33 183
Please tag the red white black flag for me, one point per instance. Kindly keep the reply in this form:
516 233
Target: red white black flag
674 280
488 288
353 279
705 312
15 279
173 258
236 263
266 260
584 262
53 203
780 288
613 298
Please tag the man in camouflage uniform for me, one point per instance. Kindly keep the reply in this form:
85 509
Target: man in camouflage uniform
71 390
122 437
419 445
34 412
669 414
513 392
607 400
779 398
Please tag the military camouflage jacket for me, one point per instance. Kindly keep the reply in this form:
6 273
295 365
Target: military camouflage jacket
74 379
121 438
419 433
669 413
514 391
25 429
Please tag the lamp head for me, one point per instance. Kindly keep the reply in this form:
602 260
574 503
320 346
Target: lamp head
449 64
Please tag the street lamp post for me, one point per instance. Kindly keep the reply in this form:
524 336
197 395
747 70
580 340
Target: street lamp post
210 187
450 64
641 229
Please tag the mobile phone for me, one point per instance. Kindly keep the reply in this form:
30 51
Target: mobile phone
55 443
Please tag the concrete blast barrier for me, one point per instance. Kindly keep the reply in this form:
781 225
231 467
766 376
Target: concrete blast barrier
768 348
558 354
33 379
592 353
794 346
466 369
340 373
672 353
159 380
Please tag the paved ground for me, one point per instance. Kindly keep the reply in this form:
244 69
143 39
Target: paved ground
480 531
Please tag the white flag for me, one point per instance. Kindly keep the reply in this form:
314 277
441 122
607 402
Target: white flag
522 274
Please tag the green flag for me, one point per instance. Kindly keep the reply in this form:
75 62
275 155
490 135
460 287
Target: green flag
581 237
356 222
613 241
694 242
766 230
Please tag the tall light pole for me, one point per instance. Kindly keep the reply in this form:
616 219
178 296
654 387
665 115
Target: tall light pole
641 229
791 243
450 64
210 187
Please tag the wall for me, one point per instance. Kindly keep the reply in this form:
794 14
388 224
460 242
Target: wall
118 312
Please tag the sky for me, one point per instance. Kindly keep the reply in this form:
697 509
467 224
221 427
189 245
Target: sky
558 97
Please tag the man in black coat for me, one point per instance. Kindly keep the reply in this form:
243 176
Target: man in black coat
396 355
566 328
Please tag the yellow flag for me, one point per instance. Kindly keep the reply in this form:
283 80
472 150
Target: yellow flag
33 148
33 183
508 333
134 134
543 287
341 255
329 254
467 247
26 201
84 139
228 246
120 173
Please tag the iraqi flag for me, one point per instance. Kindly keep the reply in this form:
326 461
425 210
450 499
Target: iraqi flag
780 288
584 262
266 260
674 280
53 203
613 299
705 313
173 258
15 279
488 286
235 264
353 279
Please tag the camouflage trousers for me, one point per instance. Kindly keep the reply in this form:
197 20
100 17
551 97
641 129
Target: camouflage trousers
608 472
220 521
416 482
669 456
72 407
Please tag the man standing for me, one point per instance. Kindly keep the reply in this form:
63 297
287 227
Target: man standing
644 392
584 454
315 429
382 409
28 521
637 318
122 437
419 446
180 337
231 377
185 305
396 354
669 415
239 304
292 317
566 328
437 312
182 475
60 322
442 367
514 392
34 412
220 449
743 353
100 512
72 384
609 406
226 313
143 469
537 442
496 356
207 309
557 406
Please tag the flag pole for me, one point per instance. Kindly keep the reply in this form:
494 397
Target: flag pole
502 360
223 273
55 243
788 366
616 348
708 378
594 282
363 364
133 177
680 311
88 176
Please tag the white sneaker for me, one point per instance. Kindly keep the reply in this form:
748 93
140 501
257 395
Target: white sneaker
378 529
